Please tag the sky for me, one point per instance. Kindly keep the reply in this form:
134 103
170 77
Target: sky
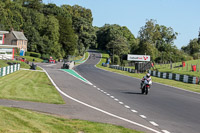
181 15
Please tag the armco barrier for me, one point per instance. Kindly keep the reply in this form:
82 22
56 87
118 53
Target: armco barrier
9 69
177 77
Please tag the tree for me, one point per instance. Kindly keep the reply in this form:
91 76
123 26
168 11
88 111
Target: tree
108 33
82 25
119 45
34 4
68 39
155 39
52 31
193 48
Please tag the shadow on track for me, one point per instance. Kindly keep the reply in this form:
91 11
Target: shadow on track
135 93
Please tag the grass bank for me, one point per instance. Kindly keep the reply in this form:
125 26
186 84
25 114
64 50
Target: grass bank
19 120
176 68
29 86
186 86
3 63
83 60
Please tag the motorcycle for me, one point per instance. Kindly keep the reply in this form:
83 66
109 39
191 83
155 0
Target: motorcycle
146 84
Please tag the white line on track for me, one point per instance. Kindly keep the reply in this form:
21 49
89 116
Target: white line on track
112 96
134 111
121 103
126 106
143 116
165 131
100 110
153 123
116 99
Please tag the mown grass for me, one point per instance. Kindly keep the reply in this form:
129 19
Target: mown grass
15 120
3 63
86 56
30 58
29 86
187 70
186 86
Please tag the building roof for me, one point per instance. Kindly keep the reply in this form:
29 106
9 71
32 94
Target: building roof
3 32
19 35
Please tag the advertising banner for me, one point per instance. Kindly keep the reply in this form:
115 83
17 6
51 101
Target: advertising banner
138 57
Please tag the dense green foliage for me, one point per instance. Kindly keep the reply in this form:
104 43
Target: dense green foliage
153 39
116 39
50 30
82 24
193 48
158 41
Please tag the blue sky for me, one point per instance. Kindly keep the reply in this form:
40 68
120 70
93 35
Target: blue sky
181 15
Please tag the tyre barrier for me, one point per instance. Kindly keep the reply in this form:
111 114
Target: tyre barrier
172 76
177 77
9 69
122 68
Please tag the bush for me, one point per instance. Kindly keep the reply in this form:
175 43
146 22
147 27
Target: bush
196 55
45 56
27 54
34 54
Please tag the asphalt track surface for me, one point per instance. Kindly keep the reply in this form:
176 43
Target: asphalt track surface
172 109
164 109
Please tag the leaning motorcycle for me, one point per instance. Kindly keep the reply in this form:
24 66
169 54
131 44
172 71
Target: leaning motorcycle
146 86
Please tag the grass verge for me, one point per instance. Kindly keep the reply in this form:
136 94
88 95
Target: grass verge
20 120
186 86
82 61
30 58
3 63
187 70
29 86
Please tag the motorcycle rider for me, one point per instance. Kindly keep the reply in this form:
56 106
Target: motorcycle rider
147 77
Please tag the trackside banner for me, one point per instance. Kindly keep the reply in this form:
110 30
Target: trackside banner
138 57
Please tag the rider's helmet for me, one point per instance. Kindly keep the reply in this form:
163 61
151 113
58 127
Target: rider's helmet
148 75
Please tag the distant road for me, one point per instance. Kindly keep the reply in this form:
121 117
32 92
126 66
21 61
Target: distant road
166 108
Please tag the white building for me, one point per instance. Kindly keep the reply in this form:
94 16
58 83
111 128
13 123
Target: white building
6 51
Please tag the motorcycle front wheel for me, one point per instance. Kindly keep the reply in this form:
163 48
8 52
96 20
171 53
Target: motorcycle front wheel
143 90
146 90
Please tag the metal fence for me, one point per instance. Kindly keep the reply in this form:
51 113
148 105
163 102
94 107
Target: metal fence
9 69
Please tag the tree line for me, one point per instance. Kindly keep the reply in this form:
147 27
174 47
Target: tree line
66 30
50 30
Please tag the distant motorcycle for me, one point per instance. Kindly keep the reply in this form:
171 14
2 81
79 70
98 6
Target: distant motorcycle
146 84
